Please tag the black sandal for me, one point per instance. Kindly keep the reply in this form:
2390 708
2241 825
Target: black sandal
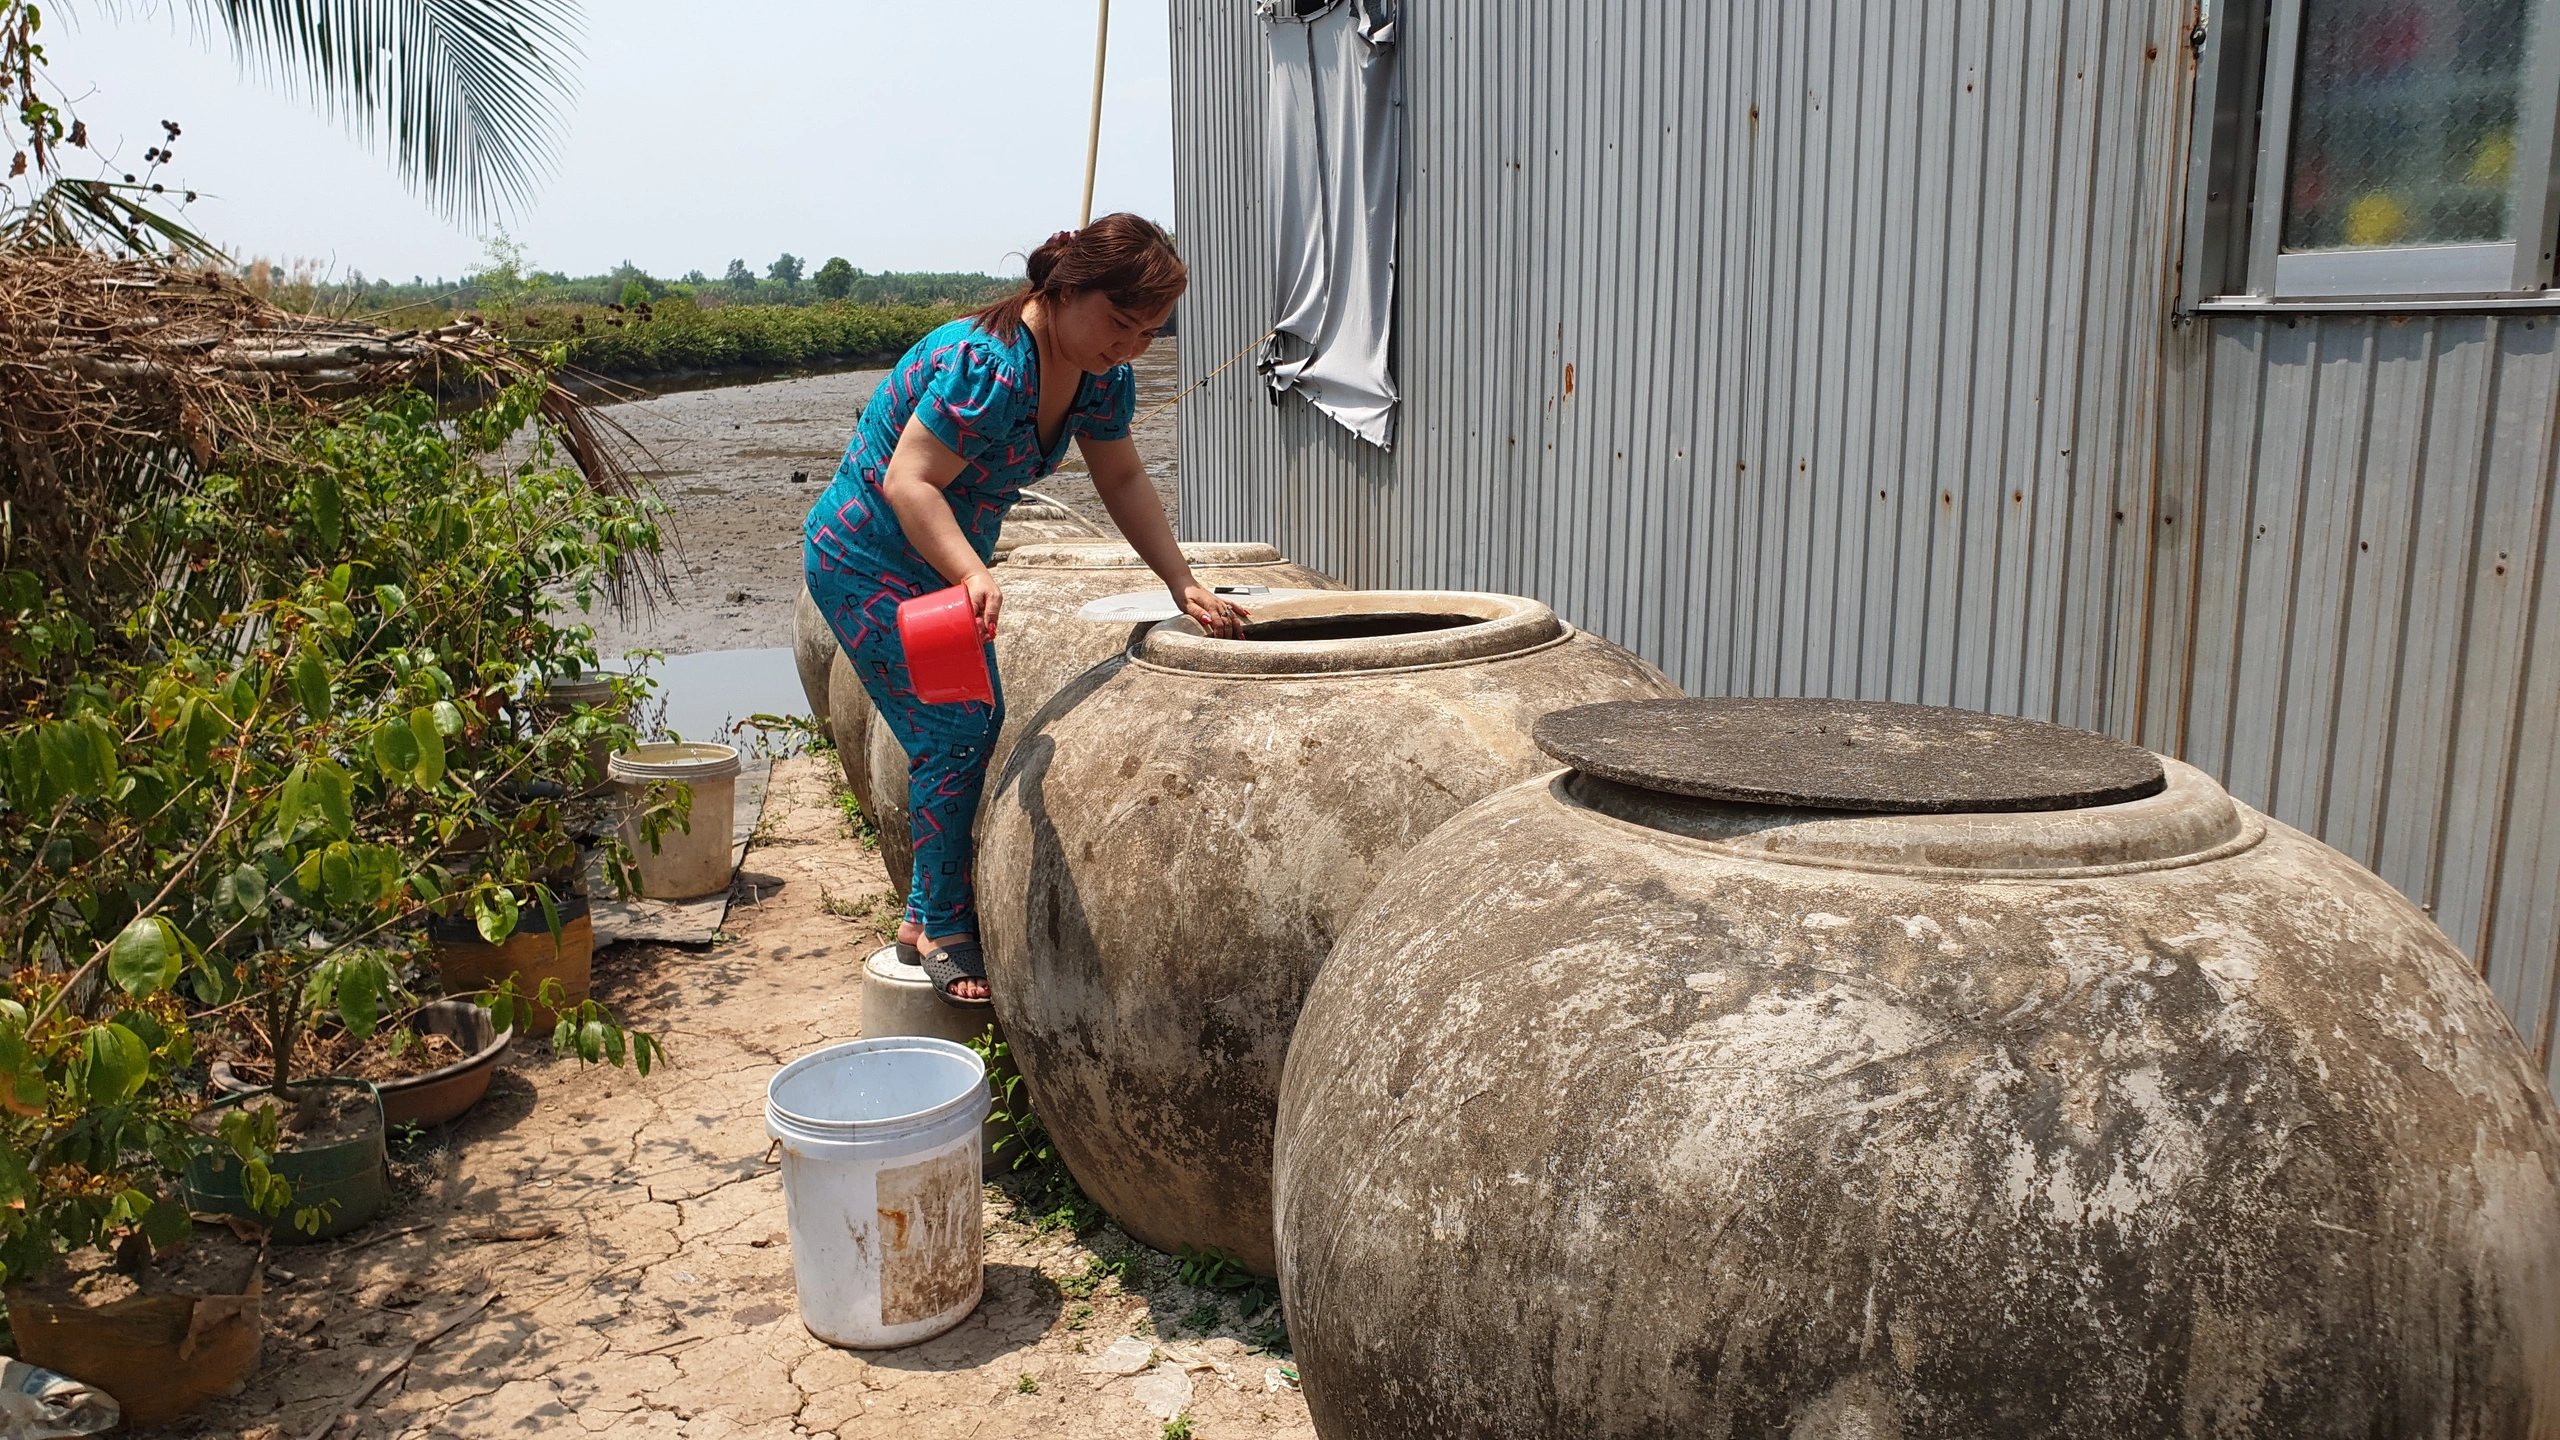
909 955
952 964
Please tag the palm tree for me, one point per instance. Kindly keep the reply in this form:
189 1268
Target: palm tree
466 93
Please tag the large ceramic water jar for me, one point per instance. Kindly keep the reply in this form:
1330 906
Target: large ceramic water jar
1826 1068
1163 866
813 652
850 719
1041 645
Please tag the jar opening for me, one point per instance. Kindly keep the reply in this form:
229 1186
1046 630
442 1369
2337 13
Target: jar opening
1348 631
1354 627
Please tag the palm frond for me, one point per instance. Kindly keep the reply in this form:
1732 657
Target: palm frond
100 215
467 92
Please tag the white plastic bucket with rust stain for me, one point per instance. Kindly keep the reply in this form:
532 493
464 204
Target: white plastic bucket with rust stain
687 862
880 1184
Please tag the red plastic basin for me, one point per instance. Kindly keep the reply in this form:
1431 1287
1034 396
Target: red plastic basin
946 660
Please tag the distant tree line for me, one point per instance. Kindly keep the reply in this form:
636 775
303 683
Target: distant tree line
505 281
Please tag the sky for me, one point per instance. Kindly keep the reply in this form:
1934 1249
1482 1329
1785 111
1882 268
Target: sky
901 136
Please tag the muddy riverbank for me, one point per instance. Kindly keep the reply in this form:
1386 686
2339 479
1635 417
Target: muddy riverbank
724 458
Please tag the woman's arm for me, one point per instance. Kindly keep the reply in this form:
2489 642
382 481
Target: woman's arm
1120 478
918 470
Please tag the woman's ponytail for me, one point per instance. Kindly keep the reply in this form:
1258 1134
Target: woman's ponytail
1124 256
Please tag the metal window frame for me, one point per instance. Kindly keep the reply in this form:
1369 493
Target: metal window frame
2248 64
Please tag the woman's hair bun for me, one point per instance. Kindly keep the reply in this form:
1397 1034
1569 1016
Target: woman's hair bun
1045 259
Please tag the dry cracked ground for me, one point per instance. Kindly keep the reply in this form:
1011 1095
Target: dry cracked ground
631 1233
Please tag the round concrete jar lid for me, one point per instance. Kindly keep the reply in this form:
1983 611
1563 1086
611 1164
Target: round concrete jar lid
1120 555
1869 755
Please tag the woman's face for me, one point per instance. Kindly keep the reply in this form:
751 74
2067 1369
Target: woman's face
1094 334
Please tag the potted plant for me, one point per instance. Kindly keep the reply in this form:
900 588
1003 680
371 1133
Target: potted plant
233 670
94 1239
431 1062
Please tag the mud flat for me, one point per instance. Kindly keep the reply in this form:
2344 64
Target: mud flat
723 458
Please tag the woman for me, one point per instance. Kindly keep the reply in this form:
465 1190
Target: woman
978 409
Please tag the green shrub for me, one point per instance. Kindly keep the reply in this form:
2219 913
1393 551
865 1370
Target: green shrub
677 335
238 742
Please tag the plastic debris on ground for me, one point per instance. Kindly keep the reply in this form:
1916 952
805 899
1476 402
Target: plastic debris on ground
1165 1390
40 1405
1127 1356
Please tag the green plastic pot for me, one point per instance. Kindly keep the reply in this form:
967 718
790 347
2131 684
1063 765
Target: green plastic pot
352 1172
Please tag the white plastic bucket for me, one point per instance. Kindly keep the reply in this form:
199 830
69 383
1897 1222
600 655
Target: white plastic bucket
689 862
898 999
880 1184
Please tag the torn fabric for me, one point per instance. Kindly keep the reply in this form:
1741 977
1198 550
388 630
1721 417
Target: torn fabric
1332 144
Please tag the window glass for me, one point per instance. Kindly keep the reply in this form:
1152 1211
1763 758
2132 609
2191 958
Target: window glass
2404 129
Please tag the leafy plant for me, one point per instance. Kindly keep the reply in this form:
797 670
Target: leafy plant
586 1030
1178 1428
464 91
240 742
1049 1192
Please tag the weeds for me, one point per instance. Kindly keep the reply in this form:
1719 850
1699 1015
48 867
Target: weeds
1077 1318
855 821
1096 1271
1211 1268
1026 1384
1050 1199
1178 1428
1272 1334
1204 1317
882 911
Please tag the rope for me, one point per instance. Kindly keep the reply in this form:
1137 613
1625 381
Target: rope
1249 348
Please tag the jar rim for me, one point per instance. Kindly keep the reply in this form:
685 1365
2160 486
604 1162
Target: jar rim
2190 820
1453 627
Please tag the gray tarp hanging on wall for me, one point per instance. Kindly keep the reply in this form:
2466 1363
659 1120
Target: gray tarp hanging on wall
1333 136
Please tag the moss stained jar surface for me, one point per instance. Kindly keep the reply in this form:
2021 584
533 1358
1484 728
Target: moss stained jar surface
1167 856
1620 1111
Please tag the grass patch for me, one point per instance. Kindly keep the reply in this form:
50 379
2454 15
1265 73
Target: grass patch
855 821
881 913
1097 1273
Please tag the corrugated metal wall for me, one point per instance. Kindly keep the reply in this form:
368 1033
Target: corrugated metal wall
1804 347
1823 348
2353 614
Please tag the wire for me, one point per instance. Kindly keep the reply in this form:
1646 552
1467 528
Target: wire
1248 349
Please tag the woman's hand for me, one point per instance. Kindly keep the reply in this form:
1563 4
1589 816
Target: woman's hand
986 600
1213 612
